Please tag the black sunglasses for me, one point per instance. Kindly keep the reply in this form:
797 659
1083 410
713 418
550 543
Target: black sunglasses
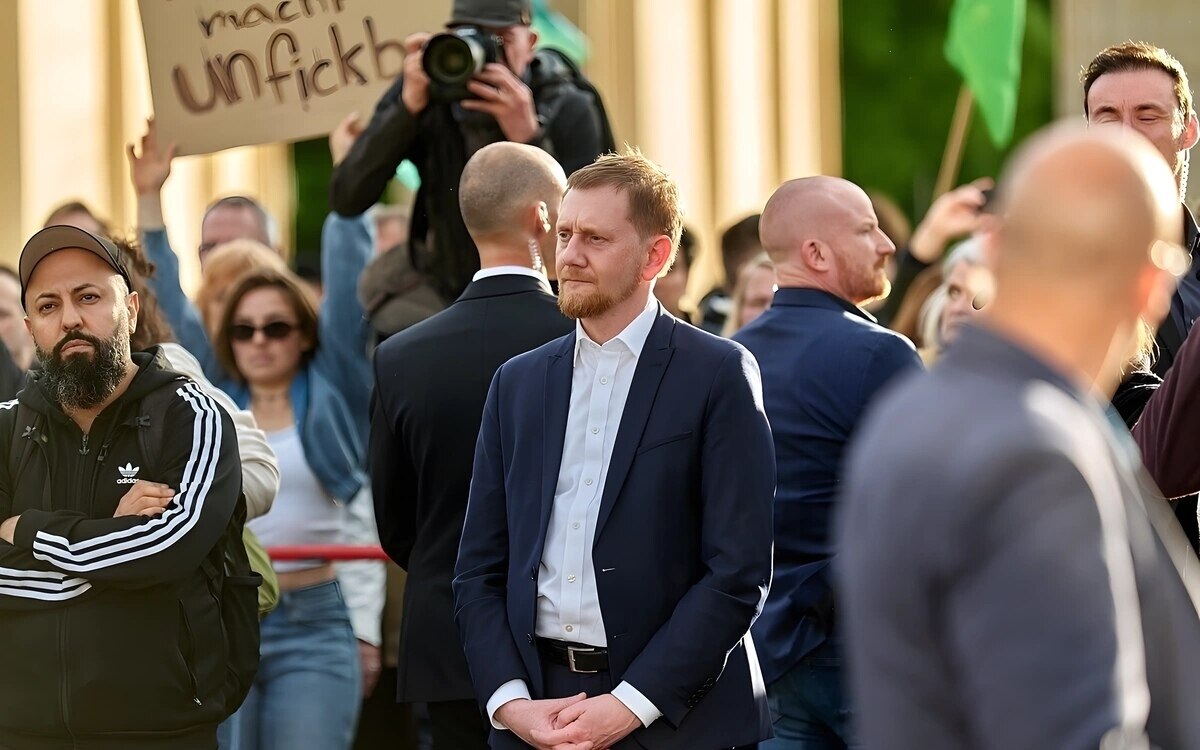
280 329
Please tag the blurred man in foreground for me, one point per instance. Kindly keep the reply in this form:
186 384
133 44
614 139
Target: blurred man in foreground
1050 612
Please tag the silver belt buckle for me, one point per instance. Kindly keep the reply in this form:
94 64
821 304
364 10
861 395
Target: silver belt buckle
571 650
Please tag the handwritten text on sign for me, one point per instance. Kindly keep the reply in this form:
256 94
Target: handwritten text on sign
227 74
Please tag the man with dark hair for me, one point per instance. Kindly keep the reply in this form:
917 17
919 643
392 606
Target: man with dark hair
527 97
739 243
112 633
617 543
1141 87
429 400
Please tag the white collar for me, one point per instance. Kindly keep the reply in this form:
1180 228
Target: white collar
635 334
487 273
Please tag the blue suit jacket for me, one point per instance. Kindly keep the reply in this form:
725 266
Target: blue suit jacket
682 550
823 360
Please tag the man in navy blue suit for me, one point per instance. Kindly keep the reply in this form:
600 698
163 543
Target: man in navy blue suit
823 359
617 544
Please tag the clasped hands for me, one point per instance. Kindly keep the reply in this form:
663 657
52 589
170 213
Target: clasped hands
575 723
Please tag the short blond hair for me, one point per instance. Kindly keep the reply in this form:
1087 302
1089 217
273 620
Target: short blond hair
653 195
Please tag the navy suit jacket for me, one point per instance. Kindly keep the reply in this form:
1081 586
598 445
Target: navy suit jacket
823 360
682 551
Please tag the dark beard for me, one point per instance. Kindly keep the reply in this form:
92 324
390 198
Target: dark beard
82 382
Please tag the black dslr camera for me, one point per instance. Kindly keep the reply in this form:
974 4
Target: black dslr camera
451 59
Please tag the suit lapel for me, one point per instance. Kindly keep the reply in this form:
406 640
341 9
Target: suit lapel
647 376
559 369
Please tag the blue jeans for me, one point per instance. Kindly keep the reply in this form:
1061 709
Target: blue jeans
309 684
810 709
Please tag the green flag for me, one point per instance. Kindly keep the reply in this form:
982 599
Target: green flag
555 31
984 45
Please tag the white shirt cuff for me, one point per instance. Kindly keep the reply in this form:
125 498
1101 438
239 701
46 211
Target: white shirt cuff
509 691
641 706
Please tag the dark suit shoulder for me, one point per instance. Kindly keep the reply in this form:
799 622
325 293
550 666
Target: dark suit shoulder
519 308
534 358
974 427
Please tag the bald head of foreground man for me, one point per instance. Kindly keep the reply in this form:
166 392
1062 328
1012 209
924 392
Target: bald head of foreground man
822 233
509 195
1088 244
1051 608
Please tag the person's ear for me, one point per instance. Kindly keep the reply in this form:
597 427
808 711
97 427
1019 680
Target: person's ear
1154 292
133 304
657 258
1191 132
989 240
816 255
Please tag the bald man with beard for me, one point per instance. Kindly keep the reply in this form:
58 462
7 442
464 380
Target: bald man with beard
431 381
1008 578
823 360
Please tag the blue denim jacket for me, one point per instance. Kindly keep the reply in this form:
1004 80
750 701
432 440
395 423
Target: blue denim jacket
331 394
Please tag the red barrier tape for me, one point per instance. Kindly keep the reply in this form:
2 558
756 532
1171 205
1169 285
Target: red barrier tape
332 552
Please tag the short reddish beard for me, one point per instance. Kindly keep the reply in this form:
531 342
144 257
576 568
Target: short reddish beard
582 305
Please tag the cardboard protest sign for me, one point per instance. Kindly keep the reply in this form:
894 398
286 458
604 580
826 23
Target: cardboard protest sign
228 73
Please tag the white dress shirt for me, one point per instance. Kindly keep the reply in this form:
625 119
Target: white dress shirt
487 273
568 605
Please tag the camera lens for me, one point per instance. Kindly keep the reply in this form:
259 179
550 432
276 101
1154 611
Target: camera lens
451 59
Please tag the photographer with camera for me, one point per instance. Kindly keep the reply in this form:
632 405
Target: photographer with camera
480 82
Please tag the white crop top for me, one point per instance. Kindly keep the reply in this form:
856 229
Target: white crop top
303 512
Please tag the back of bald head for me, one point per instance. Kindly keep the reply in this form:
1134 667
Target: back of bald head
501 183
801 210
1084 205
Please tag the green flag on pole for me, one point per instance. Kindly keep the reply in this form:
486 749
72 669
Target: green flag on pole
984 45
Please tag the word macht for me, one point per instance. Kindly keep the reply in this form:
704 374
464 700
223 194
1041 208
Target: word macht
240 75
258 13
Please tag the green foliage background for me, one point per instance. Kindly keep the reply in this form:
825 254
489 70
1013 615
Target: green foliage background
899 94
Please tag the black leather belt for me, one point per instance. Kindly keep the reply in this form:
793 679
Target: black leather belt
577 657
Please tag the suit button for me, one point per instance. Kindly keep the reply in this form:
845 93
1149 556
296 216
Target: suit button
529 637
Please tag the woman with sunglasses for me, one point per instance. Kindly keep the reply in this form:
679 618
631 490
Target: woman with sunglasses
306 378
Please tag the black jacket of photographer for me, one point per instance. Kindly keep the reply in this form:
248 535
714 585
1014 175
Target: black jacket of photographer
440 140
112 637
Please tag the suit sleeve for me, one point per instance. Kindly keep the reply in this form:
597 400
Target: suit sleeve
202 466
1039 575
688 653
481 574
364 174
393 478
1169 427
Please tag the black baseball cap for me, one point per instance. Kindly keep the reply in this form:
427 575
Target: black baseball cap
494 13
63 237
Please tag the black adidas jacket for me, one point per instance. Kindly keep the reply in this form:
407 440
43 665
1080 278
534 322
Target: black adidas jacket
109 632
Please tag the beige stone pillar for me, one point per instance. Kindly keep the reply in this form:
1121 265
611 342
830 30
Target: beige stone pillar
731 96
